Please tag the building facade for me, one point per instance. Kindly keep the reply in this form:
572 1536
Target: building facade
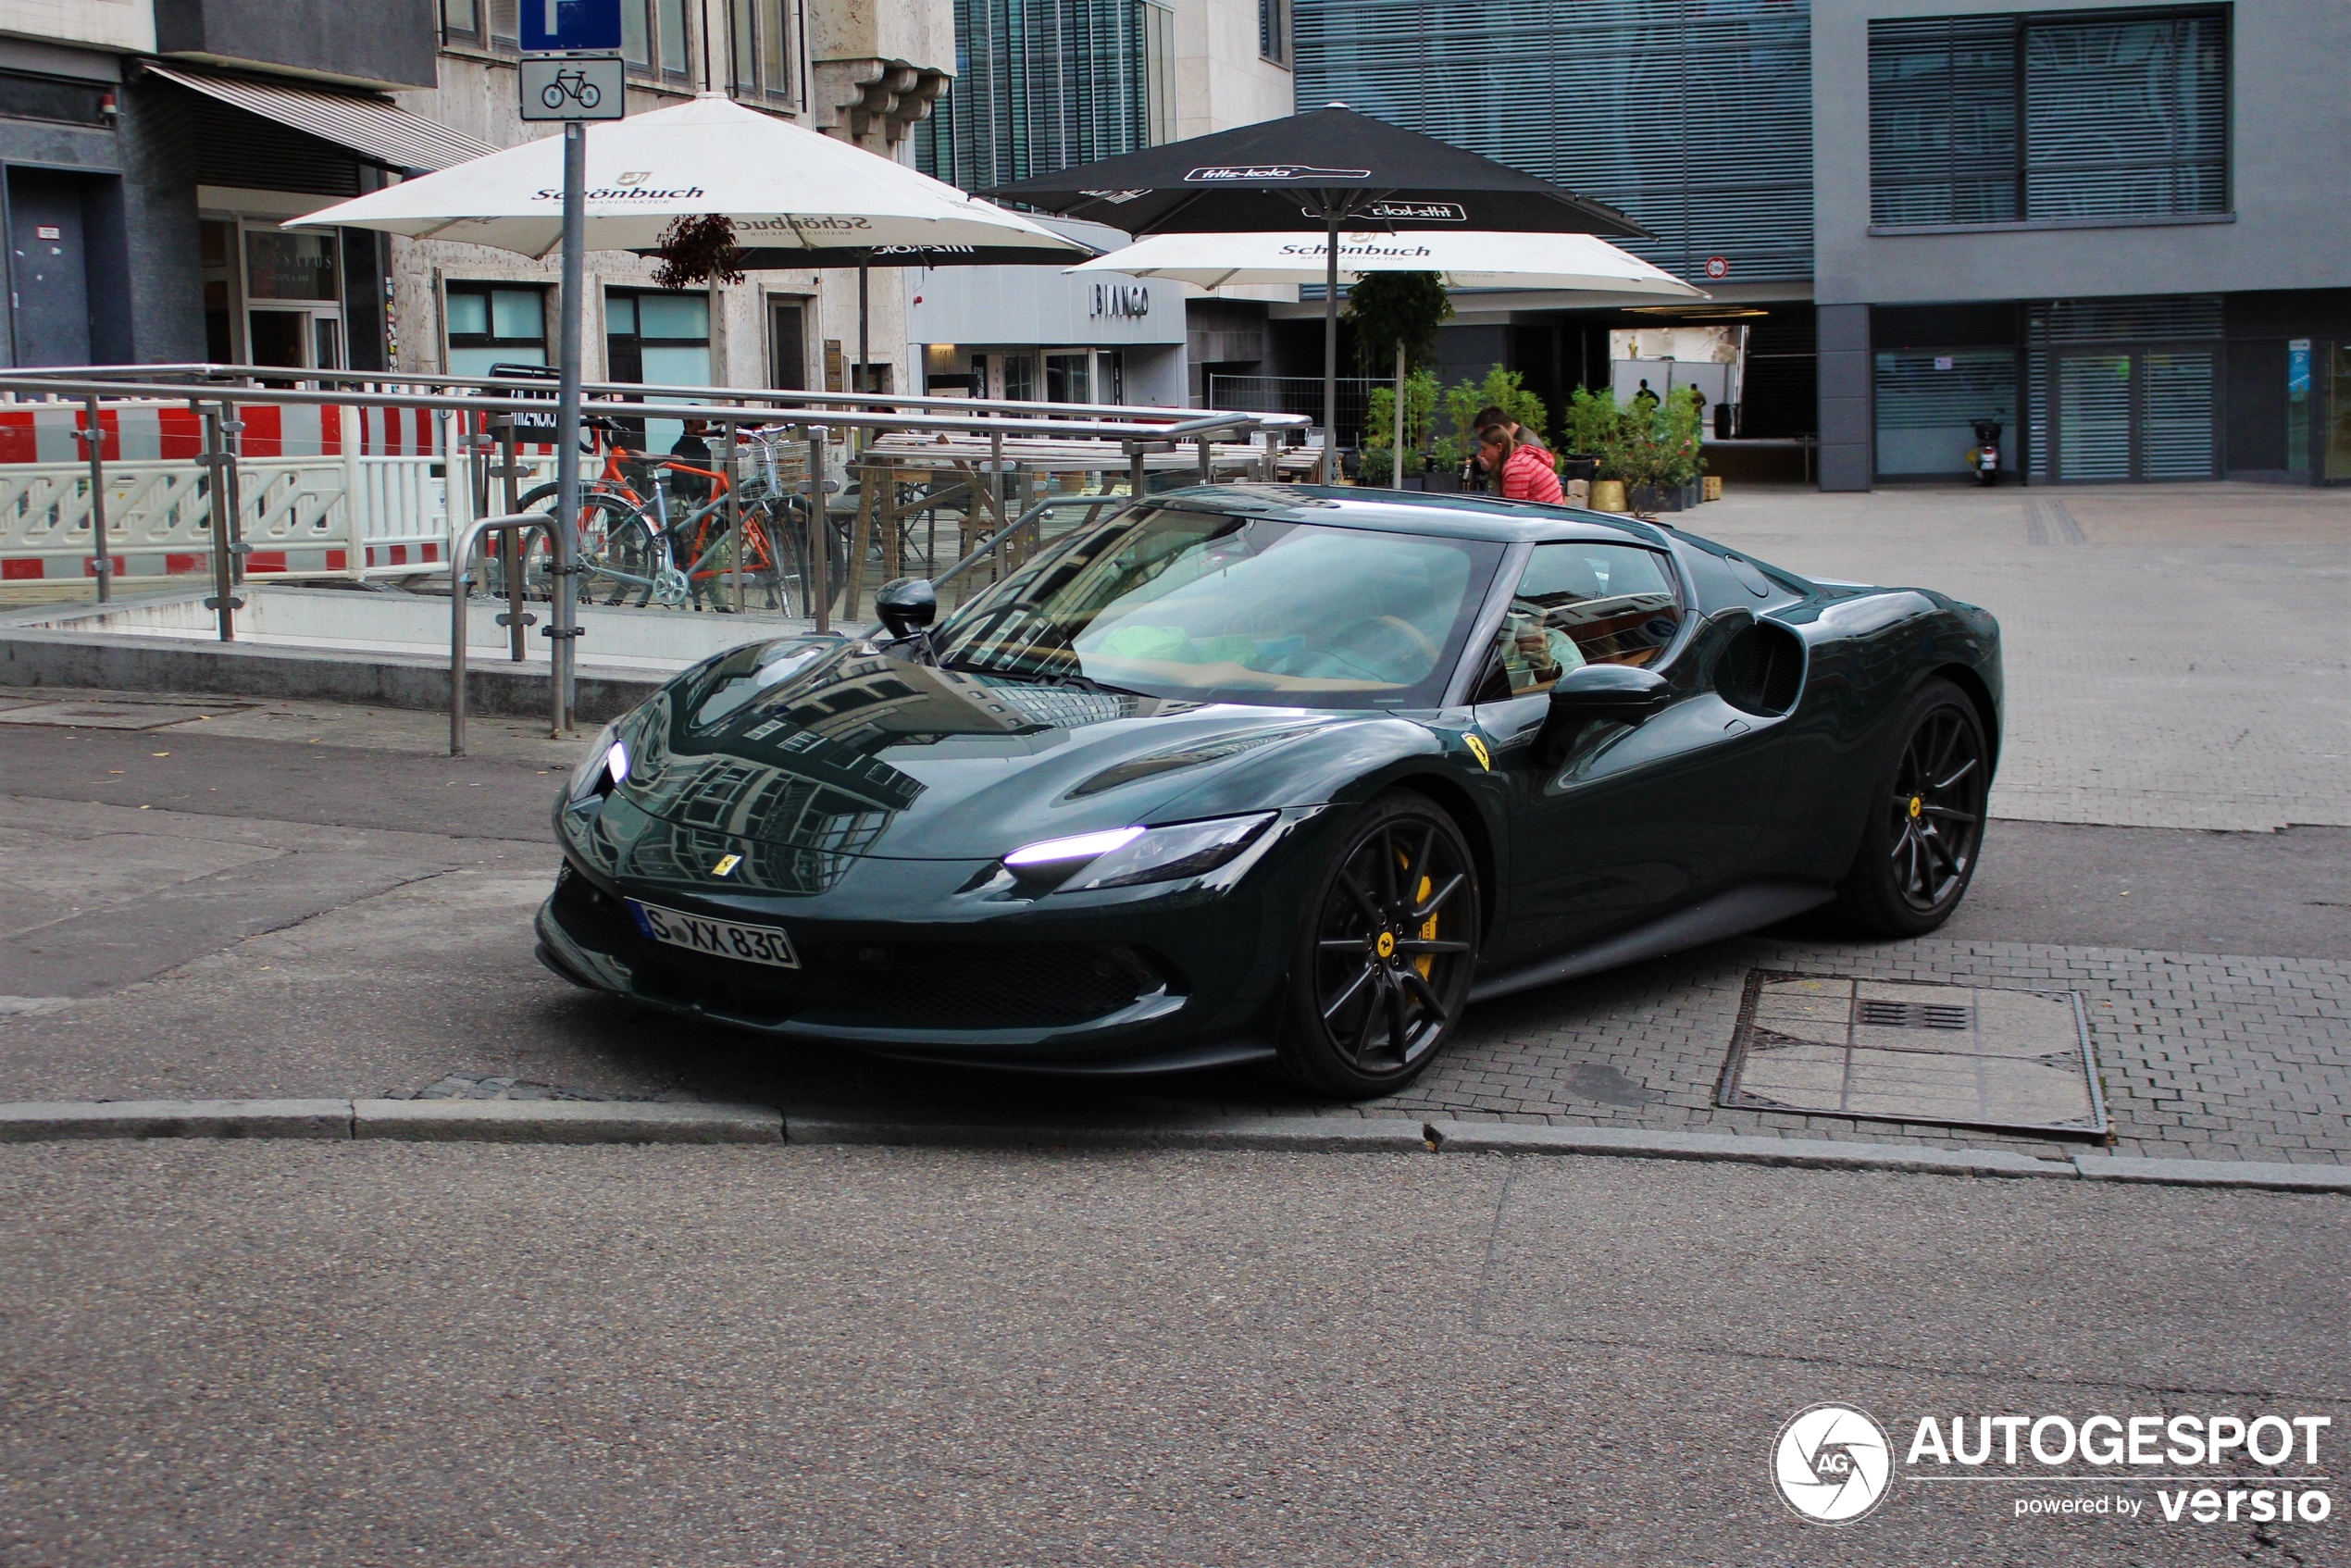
2114 228
1041 85
2108 225
151 150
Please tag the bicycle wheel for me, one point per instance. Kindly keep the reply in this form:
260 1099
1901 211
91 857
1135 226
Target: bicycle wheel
622 555
711 573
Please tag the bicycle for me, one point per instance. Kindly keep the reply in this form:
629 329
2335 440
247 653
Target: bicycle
635 550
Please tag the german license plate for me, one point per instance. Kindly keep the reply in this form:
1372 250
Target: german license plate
721 938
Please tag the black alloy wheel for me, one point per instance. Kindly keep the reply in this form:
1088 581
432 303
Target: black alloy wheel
1383 969
1925 827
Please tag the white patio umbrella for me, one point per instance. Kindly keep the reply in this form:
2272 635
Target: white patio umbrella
784 187
1583 263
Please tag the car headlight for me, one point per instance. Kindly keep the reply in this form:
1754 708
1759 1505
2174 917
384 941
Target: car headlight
604 769
1121 857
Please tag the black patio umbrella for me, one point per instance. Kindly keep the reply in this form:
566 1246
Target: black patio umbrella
1332 165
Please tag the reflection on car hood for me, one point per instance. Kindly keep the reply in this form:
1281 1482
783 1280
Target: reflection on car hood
864 754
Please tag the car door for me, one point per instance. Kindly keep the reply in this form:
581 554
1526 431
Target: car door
1632 821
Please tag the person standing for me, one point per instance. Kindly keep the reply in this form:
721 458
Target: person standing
1492 414
1521 470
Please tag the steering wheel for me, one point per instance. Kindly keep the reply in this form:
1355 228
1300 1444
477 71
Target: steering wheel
1419 637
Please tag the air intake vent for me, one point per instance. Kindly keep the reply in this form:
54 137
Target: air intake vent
1763 669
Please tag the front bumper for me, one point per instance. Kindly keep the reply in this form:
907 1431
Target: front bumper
902 962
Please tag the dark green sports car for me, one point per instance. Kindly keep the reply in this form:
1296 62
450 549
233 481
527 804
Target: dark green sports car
1256 772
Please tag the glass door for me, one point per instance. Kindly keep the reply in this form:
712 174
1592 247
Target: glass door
2094 417
2337 430
292 299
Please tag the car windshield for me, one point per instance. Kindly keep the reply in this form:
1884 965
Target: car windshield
1215 607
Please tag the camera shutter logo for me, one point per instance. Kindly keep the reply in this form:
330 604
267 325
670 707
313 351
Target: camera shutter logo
1831 1464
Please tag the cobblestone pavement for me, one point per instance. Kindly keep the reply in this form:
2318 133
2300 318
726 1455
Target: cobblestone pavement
2177 661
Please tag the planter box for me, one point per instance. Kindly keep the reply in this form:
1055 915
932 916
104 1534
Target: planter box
1445 483
1649 498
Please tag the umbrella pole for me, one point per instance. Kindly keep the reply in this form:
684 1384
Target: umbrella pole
1398 451
566 545
864 261
1330 344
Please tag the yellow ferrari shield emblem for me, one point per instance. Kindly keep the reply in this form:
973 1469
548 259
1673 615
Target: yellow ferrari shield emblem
1387 944
726 862
1477 750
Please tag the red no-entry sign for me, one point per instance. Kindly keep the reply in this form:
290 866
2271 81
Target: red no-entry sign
1718 266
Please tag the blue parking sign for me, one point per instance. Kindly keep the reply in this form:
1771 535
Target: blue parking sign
570 24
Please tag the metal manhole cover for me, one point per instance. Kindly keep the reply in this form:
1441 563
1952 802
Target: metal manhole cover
1905 1051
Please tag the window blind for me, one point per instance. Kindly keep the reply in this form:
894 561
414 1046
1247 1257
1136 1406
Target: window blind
1041 85
1989 119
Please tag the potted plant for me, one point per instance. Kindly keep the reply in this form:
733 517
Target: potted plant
1395 316
1661 457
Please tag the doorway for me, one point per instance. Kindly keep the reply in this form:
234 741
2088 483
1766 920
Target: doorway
2136 414
49 268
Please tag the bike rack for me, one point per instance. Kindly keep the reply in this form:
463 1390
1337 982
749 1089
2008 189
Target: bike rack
461 565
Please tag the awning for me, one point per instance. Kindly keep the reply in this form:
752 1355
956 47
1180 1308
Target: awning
379 131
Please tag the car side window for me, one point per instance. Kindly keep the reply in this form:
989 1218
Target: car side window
1579 604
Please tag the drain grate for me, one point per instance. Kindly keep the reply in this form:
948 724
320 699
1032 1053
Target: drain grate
1885 1013
1905 1051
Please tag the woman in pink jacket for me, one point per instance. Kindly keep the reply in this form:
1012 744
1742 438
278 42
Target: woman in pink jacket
1522 472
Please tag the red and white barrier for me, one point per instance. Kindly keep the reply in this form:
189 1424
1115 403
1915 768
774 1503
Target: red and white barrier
323 491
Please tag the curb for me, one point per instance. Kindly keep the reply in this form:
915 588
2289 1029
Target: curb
414 1121
614 1121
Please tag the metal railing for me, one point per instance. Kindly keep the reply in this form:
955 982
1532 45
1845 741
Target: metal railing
499 415
461 556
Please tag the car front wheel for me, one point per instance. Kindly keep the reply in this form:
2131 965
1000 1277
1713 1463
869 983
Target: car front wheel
1382 971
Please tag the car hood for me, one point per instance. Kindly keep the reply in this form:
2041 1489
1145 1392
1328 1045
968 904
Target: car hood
854 751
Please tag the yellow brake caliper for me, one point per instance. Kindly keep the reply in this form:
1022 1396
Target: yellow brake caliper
1427 961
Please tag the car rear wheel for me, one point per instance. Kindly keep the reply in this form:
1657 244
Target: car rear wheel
1382 971
1924 831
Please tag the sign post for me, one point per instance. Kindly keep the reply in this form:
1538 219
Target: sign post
571 72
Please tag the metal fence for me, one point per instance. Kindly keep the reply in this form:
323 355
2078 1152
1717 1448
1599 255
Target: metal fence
805 503
1299 395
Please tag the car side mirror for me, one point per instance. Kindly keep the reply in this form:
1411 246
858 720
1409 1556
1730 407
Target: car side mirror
907 605
1619 694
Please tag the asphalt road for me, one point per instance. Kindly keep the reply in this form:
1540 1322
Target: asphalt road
240 1353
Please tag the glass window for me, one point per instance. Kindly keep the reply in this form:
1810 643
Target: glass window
468 313
1215 607
673 36
663 340
1578 604
1983 120
637 33
461 20
674 316
1067 378
1020 377
492 324
279 266
759 31
1272 31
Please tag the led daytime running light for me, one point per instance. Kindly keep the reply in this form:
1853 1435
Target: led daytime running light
1072 850
617 762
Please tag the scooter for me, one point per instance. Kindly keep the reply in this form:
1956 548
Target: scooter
1986 457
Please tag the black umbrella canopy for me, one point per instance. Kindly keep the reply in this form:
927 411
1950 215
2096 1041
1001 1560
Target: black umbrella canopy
1331 163
1333 168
